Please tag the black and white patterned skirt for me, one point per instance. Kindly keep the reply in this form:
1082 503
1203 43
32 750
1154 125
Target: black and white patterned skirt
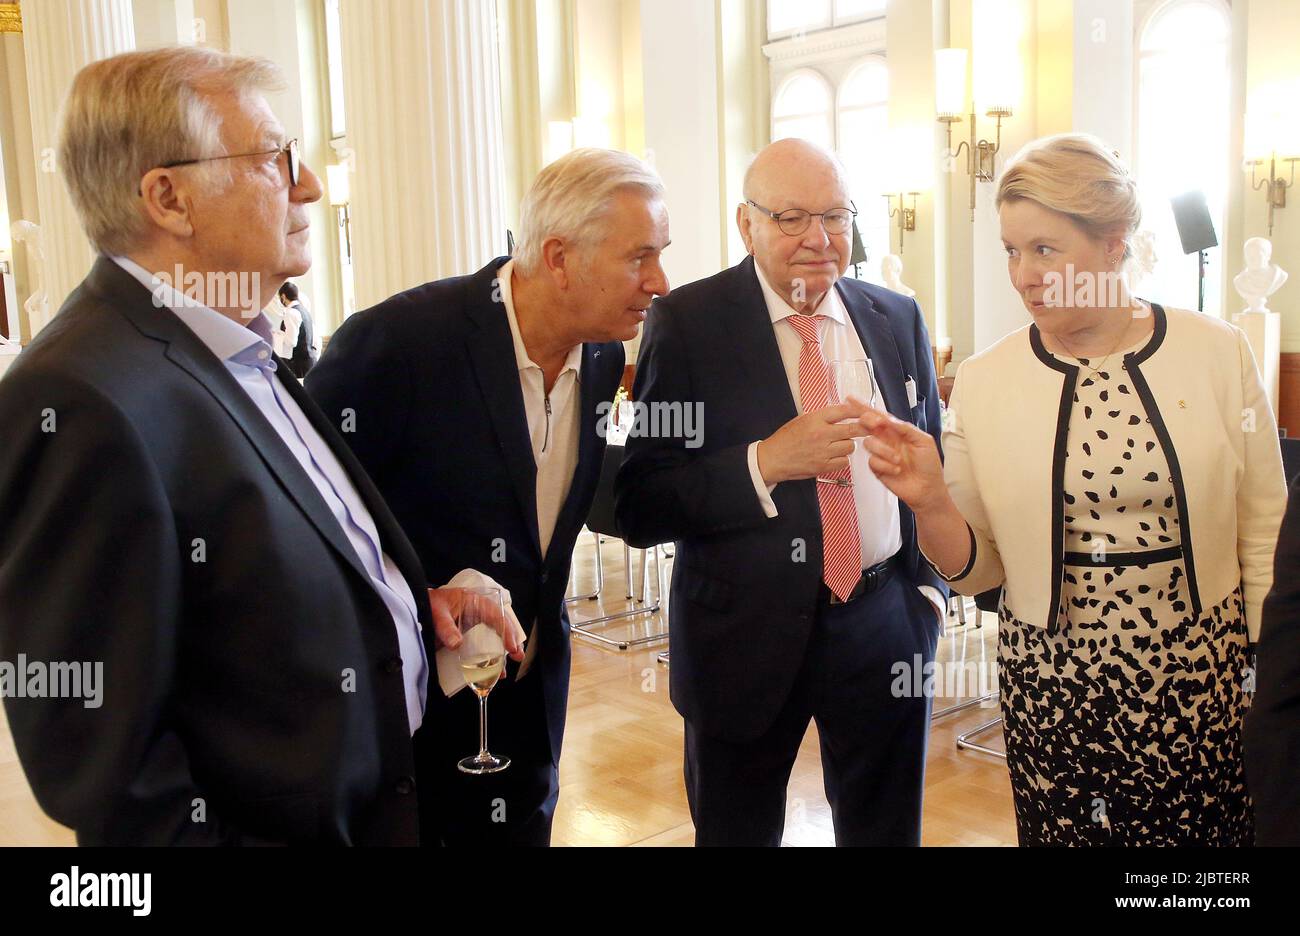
1125 726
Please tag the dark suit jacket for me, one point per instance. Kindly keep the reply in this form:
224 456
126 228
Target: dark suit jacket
742 609
1273 725
305 352
431 377
165 530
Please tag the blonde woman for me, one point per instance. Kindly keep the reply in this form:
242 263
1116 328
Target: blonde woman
1115 466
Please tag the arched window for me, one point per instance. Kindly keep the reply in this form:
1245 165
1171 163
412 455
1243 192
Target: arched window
804 107
863 116
1183 138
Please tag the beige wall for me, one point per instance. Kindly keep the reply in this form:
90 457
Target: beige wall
605 60
1272 41
913 32
1076 82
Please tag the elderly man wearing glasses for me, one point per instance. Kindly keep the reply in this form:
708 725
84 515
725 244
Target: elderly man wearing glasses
797 589
182 526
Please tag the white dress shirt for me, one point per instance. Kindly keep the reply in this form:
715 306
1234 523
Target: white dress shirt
554 425
246 354
553 419
285 322
879 526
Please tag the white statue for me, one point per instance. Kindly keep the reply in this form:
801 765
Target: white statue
1261 278
891 269
29 232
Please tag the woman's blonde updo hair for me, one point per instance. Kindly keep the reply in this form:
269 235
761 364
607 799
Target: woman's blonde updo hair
1077 175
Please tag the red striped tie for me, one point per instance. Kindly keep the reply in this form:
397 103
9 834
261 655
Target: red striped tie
841 544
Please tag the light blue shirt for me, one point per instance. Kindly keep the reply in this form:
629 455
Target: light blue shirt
246 353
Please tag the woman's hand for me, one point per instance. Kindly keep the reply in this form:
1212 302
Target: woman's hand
905 459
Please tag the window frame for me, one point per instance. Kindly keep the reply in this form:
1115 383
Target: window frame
1154 11
832 97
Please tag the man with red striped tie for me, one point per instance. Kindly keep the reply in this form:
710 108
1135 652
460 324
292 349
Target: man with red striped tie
798 591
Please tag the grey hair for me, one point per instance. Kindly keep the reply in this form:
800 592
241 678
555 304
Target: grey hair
572 197
137 111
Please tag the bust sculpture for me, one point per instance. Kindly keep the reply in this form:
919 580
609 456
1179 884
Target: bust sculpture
891 270
1261 278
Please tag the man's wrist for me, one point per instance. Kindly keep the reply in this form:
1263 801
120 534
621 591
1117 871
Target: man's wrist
765 466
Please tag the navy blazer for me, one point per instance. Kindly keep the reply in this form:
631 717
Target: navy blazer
166 530
430 381
742 604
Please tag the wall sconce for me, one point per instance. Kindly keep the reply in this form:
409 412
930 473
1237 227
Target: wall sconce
908 171
906 216
950 98
1271 137
340 189
1274 188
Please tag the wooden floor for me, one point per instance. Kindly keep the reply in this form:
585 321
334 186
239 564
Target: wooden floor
621 773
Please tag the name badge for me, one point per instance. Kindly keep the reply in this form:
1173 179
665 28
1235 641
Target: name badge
911 393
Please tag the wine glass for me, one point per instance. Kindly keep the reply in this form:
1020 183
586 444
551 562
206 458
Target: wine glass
482 658
857 379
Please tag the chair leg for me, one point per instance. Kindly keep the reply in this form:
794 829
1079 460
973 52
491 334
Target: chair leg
964 740
627 569
600 577
584 628
961 706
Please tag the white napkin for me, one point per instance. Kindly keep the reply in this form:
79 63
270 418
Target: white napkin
450 677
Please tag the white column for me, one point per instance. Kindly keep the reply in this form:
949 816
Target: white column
163 22
59 38
682 131
1103 72
1264 332
285 33
421 88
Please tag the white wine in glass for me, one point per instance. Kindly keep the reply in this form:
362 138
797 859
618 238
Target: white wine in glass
482 658
482 672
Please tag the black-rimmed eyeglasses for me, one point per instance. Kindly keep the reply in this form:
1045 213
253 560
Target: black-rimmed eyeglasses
291 148
794 221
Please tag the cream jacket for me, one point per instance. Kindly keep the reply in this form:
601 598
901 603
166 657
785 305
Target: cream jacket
1004 454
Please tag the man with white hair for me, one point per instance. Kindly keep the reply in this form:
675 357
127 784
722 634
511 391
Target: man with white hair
182 521
798 591
476 404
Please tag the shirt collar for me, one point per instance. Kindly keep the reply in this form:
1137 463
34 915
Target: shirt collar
224 337
574 360
831 306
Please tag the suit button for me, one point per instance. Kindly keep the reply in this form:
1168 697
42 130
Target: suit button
393 665
405 786
546 577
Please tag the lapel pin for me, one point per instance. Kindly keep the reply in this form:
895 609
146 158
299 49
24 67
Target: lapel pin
1182 404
